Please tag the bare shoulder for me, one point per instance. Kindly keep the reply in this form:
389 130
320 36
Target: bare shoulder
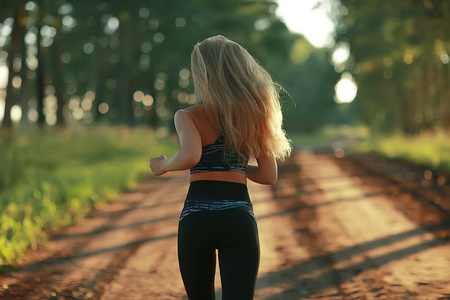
185 112
194 112
185 117
189 111
194 109
182 116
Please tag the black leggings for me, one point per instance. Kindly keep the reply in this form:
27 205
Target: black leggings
234 233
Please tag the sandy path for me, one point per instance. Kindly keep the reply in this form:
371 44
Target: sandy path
367 242
328 230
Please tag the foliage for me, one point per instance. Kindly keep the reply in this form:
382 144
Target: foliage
50 179
97 54
400 59
102 52
310 83
329 137
430 149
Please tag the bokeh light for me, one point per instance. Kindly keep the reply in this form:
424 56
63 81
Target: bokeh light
2 108
103 108
147 101
138 96
346 89
3 76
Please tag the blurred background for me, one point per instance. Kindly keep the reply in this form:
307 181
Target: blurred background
109 62
92 86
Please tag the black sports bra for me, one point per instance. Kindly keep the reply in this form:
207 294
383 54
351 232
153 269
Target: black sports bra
213 159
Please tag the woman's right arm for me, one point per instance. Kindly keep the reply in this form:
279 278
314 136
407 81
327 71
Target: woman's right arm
266 172
190 147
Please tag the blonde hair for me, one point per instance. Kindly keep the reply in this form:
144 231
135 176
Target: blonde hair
240 97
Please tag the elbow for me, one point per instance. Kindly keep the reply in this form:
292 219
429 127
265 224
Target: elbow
189 158
273 178
270 180
192 160
266 178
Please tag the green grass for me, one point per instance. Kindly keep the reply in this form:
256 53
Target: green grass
52 179
326 136
431 149
428 149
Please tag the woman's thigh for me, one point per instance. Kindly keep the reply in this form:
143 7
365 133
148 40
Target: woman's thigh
197 259
239 256
235 234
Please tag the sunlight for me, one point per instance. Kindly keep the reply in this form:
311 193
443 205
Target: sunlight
341 53
340 56
3 76
346 89
16 113
2 109
301 17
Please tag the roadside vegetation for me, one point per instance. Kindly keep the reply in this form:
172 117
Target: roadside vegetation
428 149
53 179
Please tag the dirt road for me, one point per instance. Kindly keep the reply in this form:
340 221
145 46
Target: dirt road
329 229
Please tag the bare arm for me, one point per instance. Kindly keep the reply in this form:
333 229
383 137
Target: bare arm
190 147
266 172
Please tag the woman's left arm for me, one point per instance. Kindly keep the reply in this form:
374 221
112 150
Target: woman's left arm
190 150
266 172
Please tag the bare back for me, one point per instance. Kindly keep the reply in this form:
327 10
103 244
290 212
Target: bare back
209 134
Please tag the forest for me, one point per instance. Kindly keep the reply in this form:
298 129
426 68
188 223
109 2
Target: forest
114 62
400 59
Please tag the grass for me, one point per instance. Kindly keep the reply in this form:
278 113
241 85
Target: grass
428 149
53 179
326 137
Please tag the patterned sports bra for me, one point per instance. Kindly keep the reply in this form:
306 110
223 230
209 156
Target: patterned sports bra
213 159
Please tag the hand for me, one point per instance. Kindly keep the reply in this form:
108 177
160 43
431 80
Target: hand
156 164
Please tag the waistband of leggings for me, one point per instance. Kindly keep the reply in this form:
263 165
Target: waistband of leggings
218 190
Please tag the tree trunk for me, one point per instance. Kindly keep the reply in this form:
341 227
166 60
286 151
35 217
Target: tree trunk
98 82
126 113
40 85
100 62
25 87
407 111
153 116
445 99
17 43
58 77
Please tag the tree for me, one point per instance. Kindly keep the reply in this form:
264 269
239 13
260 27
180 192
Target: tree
310 82
17 43
104 51
401 62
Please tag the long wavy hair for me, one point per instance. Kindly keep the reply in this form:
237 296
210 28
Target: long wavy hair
239 96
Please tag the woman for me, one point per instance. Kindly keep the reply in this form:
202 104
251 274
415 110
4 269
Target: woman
238 118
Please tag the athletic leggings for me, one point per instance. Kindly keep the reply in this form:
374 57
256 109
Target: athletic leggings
233 232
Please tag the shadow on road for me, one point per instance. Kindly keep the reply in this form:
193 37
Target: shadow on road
293 194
